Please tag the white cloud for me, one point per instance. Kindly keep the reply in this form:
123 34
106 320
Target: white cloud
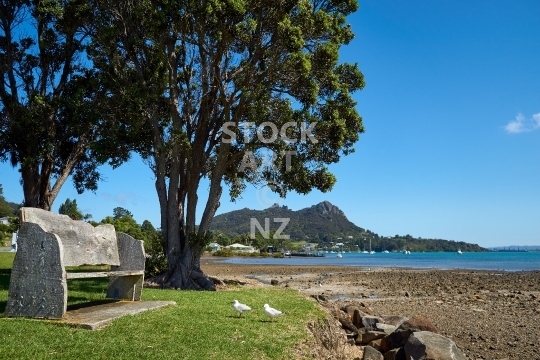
521 124
120 198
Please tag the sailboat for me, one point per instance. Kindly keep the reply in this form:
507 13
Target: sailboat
370 251
459 252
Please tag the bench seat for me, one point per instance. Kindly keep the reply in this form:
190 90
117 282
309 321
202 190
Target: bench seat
97 274
49 242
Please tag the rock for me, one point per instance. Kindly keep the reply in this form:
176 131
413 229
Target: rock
320 298
376 344
368 336
355 314
395 340
347 325
426 345
274 282
418 323
407 294
349 309
395 320
372 354
371 321
395 354
357 317
388 329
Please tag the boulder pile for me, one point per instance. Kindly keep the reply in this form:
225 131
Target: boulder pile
390 337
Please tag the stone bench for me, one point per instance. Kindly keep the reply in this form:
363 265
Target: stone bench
48 243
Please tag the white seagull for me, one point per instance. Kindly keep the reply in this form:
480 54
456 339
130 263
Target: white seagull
272 312
241 308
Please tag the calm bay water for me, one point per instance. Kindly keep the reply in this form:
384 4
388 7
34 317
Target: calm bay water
508 261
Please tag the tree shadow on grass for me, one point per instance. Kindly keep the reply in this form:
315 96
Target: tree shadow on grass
94 285
75 288
5 275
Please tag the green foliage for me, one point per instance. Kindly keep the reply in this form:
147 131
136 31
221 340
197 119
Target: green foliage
49 98
156 262
120 212
5 209
312 223
70 208
179 72
224 253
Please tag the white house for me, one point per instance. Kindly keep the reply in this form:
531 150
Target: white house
241 248
4 220
215 246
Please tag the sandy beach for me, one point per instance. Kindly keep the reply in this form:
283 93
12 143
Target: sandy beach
488 314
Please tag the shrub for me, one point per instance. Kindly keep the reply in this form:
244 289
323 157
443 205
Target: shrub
224 253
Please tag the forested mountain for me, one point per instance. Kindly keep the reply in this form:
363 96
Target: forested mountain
326 224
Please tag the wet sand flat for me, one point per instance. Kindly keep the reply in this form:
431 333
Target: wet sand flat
489 314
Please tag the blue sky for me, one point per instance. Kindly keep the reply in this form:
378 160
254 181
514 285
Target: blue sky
452 117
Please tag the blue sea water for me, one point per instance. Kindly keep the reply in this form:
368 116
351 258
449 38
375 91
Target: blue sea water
507 261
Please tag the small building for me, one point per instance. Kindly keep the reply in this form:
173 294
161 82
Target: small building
4 220
241 248
215 246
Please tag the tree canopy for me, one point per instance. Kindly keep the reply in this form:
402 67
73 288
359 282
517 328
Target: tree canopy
49 94
70 208
120 212
221 90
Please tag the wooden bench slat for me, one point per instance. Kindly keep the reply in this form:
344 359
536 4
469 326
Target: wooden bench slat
85 275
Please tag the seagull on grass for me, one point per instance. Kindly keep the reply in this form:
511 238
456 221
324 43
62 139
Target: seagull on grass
272 312
241 308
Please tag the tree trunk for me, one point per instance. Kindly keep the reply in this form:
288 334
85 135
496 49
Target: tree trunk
186 273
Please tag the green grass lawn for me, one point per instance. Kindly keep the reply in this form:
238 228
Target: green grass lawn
202 326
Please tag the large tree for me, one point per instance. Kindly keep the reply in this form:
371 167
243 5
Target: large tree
48 97
195 72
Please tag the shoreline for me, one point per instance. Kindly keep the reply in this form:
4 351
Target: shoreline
488 314
223 261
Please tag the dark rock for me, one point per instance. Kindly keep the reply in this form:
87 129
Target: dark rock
395 340
357 317
355 314
426 345
368 336
418 323
372 354
321 298
371 321
395 354
274 282
347 325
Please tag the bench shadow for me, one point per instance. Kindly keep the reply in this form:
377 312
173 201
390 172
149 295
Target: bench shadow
94 285
89 303
5 275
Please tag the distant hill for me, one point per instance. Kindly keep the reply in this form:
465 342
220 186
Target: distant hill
516 248
313 223
326 223
15 207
